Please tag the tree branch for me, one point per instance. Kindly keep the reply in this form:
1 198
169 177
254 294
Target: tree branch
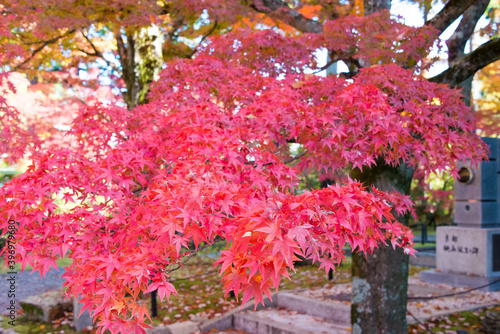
450 12
41 47
469 64
278 9
98 54
456 43
127 54
298 156
210 32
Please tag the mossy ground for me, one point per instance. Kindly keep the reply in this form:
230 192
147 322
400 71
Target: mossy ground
25 326
469 321
60 263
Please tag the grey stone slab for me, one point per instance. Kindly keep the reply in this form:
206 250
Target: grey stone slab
437 277
45 307
7 331
221 323
226 321
185 327
484 184
332 311
415 290
478 213
466 250
273 321
159 330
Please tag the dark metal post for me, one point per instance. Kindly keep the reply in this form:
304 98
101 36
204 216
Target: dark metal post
424 233
154 307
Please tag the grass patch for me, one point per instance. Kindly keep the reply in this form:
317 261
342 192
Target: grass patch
423 245
61 263
25 326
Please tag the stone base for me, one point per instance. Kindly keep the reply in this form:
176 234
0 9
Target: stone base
438 277
468 251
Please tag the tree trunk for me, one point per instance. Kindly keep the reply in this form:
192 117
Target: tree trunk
141 60
380 280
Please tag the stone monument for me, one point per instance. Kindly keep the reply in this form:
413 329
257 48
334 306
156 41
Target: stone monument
468 254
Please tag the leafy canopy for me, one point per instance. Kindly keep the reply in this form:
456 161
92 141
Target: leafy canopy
208 159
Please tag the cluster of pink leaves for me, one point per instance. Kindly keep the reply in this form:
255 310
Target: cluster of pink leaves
386 111
32 121
375 39
14 137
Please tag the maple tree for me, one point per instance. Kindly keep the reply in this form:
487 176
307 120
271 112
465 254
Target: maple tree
203 153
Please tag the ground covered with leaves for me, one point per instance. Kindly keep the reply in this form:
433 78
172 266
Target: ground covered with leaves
468 321
200 297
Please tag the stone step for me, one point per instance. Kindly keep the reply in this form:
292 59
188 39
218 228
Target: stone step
337 312
283 321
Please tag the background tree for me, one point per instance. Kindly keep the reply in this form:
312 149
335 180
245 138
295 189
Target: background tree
488 102
128 39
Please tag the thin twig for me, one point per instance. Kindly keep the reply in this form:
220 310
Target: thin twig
98 54
190 255
298 156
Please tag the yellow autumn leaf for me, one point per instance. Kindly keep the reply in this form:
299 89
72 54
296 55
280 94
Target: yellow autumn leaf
118 306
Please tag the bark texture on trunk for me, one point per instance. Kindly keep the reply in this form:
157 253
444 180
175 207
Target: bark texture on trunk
141 60
380 280
457 42
379 286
